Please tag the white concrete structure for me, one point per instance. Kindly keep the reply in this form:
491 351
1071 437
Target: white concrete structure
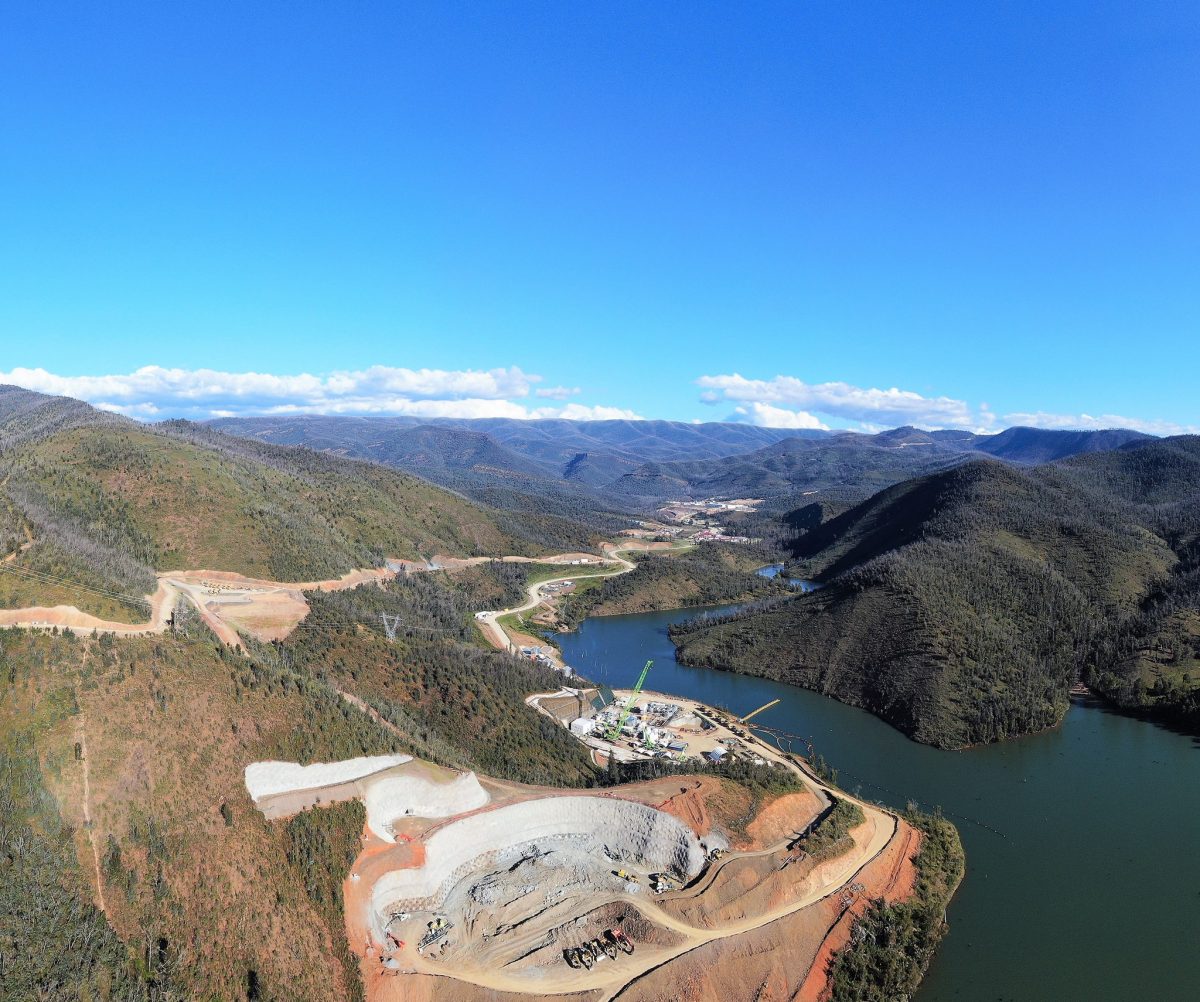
265 779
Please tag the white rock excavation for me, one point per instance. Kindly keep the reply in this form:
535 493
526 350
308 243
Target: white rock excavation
268 779
587 833
398 795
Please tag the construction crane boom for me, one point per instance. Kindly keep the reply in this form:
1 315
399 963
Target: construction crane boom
765 706
615 733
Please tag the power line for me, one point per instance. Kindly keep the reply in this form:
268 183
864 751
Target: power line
47 578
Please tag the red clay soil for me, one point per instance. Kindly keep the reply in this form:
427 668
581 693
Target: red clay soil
782 818
892 876
688 805
382 987
785 960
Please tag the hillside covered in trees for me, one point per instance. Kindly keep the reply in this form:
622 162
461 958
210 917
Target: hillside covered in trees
91 499
199 889
708 574
961 606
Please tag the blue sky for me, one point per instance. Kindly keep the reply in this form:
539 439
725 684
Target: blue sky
841 214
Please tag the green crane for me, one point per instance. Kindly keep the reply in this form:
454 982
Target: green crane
615 733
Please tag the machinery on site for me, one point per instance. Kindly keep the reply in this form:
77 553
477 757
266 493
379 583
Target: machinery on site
660 882
795 856
618 937
633 878
435 930
602 949
615 731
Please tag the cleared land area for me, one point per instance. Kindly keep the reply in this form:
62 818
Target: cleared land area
502 896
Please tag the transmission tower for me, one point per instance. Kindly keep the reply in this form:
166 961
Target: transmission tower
390 624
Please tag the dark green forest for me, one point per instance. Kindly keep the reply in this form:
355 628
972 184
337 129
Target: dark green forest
962 606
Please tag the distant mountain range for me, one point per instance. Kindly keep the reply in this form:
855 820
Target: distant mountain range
572 467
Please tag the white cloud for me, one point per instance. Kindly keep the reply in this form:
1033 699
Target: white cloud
788 402
788 399
153 392
556 392
1088 422
767 416
579 412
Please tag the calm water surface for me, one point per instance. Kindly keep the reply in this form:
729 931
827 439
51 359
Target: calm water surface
1091 889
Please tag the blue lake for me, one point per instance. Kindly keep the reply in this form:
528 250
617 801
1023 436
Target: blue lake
1083 843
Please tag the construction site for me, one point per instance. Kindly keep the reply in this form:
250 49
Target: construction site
633 724
506 888
472 888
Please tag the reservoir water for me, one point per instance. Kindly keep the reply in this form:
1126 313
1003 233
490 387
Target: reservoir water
1083 843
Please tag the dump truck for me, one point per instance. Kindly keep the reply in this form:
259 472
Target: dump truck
609 949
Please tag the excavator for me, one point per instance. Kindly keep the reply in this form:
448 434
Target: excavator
618 937
660 882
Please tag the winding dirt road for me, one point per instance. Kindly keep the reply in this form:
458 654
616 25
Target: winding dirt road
230 603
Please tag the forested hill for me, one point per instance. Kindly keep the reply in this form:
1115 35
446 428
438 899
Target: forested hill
841 465
91 504
561 469
960 606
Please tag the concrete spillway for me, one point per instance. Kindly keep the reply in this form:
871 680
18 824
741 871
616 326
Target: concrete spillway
602 828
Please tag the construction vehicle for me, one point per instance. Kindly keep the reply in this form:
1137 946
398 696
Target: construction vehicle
571 954
615 732
618 936
716 854
660 882
610 949
437 929
585 957
626 875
